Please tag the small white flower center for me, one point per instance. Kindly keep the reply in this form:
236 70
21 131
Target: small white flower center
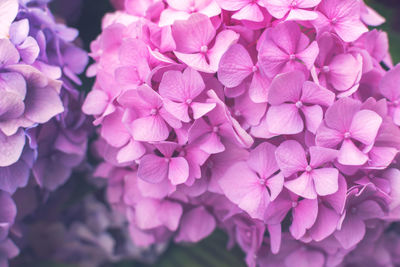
215 129
255 68
347 135
167 160
153 111
325 69
292 57
299 104
308 168
189 101
204 49
294 204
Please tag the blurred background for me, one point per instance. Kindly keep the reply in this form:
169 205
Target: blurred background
86 15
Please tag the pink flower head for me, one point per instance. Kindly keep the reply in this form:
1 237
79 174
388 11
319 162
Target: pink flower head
244 9
181 10
292 9
263 182
286 48
341 17
290 97
351 127
193 38
180 91
313 178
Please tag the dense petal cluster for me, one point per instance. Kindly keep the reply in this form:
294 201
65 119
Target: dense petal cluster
43 134
276 121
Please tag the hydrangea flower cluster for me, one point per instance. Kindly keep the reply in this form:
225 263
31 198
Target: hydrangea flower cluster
276 121
43 133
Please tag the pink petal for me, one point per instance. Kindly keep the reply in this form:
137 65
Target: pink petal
286 88
275 233
212 144
195 225
352 232
325 181
147 213
262 160
193 83
340 115
247 193
172 86
196 61
232 5
191 34
223 41
305 258
278 8
11 147
95 102
313 116
299 14
258 90
201 109
235 65
272 59
381 157
309 55
321 155
328 137
365 126
315 94
325 224
150 129
275 185
344 71
291 157
178 110
114 131
284 119
170 214
152 169
369 209
249 12
130 152
390 84
349 154
178 170
350 29
304 216
8 12
302 186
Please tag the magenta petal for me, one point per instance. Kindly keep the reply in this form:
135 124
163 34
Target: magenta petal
147 213
258 90
250 12
340 115
195 225
286 88
212 144
325 181
153 169
321 155
247 193
328 137
224 39
351 232
170 214
275 233
302 186
313 116
275 185
284 119
365 126
304 216
262 160
309 55
315 94
389 85
191 34
11 147
113 129
291 157
325 224
179 110
234 66
133 150
150 129
178 171
349 154
201 109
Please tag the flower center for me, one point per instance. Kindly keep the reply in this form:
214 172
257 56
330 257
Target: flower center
153 111
325 69
347 135
238 113
396 103
334 20
189 101
294 204
167 160
204 49
215 129
299 104
292 57
255 68
308 168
